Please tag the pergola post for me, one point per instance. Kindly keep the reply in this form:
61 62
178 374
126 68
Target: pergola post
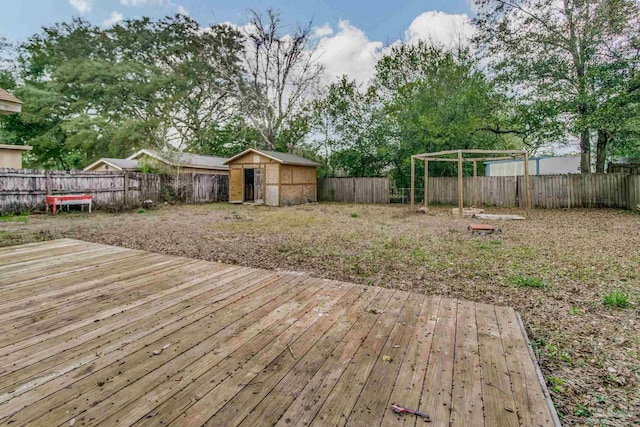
527 184
413 181
475 183
460 186
426 183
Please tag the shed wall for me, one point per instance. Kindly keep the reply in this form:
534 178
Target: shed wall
298 185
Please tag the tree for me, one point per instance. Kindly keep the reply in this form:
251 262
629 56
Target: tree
550 54
350 130
92 92
281 75
436 100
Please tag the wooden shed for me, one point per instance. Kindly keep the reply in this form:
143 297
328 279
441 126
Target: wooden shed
271 178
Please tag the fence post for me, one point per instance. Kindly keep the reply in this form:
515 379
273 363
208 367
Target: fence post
126 188
47 182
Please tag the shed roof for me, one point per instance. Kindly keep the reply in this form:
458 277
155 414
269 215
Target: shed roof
284 158
185 159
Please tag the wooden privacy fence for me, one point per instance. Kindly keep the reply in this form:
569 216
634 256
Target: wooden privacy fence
354 190
612 190
25 189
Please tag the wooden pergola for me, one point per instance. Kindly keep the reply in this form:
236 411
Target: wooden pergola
479 156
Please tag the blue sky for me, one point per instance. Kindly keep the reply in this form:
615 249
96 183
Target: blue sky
381 20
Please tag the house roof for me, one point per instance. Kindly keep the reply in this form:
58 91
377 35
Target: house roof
184 159
121 164
284 158
8 97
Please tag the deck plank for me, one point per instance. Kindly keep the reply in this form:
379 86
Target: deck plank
466 405
279 397
408 388
95 334
309 401
373 402
529 396
499 404
436 395
337 408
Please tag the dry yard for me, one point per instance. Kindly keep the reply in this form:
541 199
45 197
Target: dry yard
556 269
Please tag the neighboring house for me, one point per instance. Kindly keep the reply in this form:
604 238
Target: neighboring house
271 178
166 162
537 166
10 155
108 164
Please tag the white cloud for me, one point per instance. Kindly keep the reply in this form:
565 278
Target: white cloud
112 20
349 52
82 6
182 10
140 3
322 31
442 28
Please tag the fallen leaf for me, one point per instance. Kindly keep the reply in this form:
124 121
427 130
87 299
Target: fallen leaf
387 358
72 422
152 414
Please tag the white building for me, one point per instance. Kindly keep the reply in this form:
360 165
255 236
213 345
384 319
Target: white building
537 166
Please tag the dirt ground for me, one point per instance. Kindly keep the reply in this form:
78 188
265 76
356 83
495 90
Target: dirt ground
555 269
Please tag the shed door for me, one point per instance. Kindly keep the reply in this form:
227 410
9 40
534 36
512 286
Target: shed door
258 187
235 185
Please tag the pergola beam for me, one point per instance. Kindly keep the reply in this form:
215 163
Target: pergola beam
434 157
471 151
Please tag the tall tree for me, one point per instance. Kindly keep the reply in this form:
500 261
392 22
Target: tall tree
435 99
92 92
282 73
549 53
350 130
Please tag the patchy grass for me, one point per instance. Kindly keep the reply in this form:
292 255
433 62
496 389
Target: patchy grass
554 269
141 211
617 299
22 217
526 282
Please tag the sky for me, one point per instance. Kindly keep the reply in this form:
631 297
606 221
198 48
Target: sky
351 35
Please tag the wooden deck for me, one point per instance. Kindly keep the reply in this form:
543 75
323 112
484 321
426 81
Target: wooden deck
101 335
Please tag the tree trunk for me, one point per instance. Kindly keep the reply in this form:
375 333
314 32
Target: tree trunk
601 149
585 152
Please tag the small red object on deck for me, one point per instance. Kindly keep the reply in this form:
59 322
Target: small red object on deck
69 199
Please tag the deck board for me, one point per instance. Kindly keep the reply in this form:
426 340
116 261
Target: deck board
95 334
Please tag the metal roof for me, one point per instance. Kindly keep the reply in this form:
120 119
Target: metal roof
284 158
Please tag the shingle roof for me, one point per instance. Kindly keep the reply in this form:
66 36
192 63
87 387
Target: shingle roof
289 158
123 163
188 159
285 158
8 97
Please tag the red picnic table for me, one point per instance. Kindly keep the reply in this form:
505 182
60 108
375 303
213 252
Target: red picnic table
68 199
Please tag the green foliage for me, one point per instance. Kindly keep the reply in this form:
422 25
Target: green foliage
526 282
354 215
91 92
617 299
141 211
582 411
21 217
